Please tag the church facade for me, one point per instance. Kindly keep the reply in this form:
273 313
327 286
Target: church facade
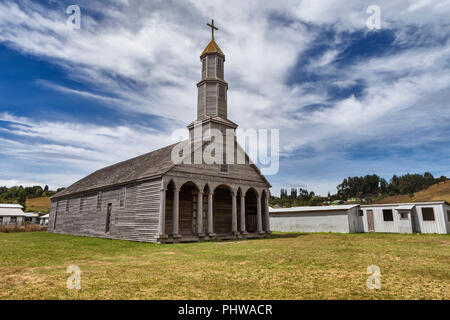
153 198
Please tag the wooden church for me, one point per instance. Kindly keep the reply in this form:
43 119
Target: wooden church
151 198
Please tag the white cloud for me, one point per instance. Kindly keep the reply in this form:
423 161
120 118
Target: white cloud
74 146
157 45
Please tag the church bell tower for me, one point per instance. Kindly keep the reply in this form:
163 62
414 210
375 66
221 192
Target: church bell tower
212 89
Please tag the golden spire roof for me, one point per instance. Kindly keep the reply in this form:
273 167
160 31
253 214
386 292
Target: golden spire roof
212 47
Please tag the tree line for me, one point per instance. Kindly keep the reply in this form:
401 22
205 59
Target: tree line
20 194
362 189
298 197
373 185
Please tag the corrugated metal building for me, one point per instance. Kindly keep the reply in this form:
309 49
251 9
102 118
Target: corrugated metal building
417 217
420 217
339 218
11 214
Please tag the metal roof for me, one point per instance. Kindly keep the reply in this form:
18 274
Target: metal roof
402 204
406 207
313 208
31 214
15 211
10 205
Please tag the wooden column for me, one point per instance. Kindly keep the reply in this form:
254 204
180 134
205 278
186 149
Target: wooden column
259 215
200 215
243 230
233 213
162 214
266 209
210 214
176 210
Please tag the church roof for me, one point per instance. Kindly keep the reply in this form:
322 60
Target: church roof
212 47
151 164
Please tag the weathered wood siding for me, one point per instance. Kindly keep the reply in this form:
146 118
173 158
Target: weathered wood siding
201 100
211 60
219 63
137 220
211 99
204 68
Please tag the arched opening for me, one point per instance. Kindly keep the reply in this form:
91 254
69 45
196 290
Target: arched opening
188 209
222 210
251 211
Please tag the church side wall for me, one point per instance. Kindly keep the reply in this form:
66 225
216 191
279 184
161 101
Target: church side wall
86 215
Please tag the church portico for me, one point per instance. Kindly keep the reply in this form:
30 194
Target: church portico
195 210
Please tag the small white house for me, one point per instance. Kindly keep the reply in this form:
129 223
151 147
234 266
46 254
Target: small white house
44 220
420 217
11 214
339 218
32 217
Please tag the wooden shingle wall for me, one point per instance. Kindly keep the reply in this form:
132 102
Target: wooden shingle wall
137 220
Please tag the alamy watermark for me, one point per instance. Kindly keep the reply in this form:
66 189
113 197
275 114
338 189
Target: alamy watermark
374 280
74 19
213 146
74 280
373 22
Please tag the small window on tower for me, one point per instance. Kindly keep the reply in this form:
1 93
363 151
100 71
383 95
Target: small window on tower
219 63
222 92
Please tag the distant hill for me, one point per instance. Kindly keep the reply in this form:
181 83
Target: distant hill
41 204
438 191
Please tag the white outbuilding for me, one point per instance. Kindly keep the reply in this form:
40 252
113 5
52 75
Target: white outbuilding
32 217
11 214
417 217
44 220
338 218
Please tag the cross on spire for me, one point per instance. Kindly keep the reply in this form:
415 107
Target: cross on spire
213 27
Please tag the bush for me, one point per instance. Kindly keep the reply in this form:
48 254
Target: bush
23 228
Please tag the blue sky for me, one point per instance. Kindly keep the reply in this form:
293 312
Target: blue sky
347 100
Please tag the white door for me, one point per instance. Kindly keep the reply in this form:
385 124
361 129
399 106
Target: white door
405 221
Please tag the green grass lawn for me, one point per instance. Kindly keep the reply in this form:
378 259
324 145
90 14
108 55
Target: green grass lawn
286 266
